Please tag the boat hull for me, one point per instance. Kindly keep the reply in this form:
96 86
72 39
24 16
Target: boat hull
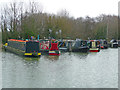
115 45
104 47
94 50
20 52
54 53
62 49
44 52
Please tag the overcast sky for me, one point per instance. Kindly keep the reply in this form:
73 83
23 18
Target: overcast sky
76 8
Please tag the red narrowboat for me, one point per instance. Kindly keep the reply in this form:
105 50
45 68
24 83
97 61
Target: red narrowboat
54 48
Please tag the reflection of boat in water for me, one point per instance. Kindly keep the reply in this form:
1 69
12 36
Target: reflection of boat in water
103 44
94 46
80 54
24 48
31 58
52 57
113 43
31 61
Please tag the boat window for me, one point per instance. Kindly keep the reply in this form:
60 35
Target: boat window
83 43
105 42
17 45
61 44
93 44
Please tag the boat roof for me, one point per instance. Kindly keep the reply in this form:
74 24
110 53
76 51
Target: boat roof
17 40
22 40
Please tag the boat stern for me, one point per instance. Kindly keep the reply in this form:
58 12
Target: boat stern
57 52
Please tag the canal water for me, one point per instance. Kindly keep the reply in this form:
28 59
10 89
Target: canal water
69 70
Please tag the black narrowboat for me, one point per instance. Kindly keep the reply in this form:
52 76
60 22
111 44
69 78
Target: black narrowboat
103 44
113 43
24 48
80 46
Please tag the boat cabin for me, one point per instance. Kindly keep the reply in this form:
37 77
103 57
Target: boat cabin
62 45
54 48
103 44
94 46
114 43
80 46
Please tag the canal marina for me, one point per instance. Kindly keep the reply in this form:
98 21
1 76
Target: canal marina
60 64
34 48
59 45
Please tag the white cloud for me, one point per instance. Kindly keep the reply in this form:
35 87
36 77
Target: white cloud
78 8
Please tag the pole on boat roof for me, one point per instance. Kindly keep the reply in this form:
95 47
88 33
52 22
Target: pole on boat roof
28 37
50 33
38 37
107 30
60 31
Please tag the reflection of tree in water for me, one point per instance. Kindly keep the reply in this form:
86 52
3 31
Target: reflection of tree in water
80 55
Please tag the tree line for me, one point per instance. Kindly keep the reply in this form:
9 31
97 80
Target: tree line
17 21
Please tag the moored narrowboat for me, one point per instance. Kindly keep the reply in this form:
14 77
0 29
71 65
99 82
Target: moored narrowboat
62 45
80 46
113 43
54 48
103 44
44 46
49 47
24 48
94 46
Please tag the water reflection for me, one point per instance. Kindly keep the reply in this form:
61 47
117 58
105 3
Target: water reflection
79 70
31 61
31 58
80 55
52 57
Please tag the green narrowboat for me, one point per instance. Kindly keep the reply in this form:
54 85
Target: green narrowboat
24 48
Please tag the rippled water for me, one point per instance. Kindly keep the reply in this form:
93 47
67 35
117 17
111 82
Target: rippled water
69 70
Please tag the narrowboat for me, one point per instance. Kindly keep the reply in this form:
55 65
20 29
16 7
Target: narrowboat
49 47
62 45
24 48
113 43
80 46
94 46
54 48
103 44
44 46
